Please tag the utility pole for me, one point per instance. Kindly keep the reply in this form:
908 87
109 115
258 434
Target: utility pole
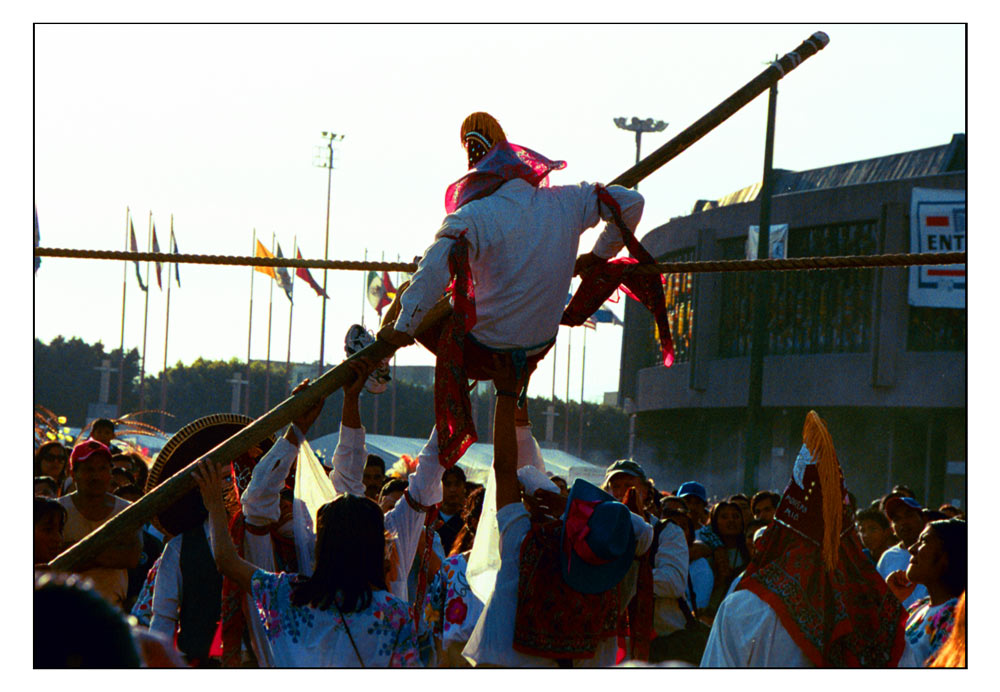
328 164
638 127
761 287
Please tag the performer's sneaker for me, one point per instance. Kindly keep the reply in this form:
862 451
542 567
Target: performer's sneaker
357 339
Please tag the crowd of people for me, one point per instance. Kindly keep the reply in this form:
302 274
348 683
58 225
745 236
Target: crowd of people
276 561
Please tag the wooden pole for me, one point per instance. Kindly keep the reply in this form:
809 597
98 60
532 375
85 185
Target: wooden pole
165 494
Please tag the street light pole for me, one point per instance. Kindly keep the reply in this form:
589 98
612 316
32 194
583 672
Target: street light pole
638 127
328 164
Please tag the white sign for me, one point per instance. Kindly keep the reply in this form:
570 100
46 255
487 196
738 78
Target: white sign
937 224
778 238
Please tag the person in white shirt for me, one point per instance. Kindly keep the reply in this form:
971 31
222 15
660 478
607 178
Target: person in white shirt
810 597
907 521
600 538
516 240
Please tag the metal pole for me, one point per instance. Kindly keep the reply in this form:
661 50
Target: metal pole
291 308
267 368
246 392
326 250
166 336
761 285
583 377
569 347
145 320
121 348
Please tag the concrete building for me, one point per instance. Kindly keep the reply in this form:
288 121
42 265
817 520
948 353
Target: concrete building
889 377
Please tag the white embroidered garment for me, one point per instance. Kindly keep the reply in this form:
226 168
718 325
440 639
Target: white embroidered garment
523 246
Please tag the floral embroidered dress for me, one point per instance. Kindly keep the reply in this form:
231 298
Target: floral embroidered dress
450 607
303 636
927 626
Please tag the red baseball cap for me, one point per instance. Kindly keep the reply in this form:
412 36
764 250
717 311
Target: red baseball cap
87 449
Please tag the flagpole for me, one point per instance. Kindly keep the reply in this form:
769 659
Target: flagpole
364 290
291 307
569 346
121 348
145 320
583 365
392 414
166 335
267 368
246 393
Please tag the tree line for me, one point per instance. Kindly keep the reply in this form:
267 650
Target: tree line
67 379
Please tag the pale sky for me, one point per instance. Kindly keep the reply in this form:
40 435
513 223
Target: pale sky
218 126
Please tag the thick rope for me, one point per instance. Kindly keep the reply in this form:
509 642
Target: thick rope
690 267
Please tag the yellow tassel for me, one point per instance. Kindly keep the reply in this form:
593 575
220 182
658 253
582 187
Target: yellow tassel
486 125
817 439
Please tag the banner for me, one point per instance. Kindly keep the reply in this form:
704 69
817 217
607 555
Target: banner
937 224
156 248
379 287
264 252
778 239
174 250
134 248
283 278
303 273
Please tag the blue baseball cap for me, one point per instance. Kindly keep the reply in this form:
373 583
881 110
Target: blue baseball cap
693 488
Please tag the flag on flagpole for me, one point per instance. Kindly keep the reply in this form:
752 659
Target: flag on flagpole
264 252
605 316
390 290
134 248
173 245
590 323
377 296
283 278
156 248
303 273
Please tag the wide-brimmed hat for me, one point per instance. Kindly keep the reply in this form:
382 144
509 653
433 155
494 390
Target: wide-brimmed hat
185 446
598 544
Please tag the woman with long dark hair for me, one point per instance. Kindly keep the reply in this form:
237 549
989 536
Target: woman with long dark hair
341 616
939 560
51 460
732 558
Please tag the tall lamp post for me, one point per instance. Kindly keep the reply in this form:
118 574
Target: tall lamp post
327 164
638 127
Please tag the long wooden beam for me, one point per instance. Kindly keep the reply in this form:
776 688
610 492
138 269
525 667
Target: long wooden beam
165 494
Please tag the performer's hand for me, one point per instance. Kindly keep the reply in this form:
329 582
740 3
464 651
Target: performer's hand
585 262
398 339
361 368
305 421
901 587
208 476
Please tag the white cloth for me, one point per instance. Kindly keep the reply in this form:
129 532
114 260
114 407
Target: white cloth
303 636
168 589
110 582
523 245
402 520
747 633
670 570
484 560
898 557
492 639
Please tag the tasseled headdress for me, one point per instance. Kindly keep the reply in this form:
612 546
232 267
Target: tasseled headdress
480 131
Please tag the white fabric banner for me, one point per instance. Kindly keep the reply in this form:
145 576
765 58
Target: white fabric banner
778 239
313 489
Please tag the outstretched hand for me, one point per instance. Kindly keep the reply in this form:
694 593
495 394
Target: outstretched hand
361 368
208 476
305 421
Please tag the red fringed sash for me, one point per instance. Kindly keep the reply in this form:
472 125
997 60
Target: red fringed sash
846 618
553 620
604 278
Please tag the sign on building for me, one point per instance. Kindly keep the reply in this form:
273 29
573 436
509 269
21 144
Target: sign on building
778 238
937 224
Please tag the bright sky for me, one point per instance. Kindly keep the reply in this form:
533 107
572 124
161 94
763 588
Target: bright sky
219 126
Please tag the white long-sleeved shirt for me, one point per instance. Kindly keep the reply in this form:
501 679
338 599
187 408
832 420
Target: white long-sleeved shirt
168 589
747 633
523 246
670 570
404 521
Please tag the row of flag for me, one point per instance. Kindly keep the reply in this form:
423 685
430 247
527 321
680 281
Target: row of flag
156 248
281 275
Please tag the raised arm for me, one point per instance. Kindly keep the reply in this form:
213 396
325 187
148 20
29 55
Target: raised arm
208 475
261 499
505 442
350 455
609 243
